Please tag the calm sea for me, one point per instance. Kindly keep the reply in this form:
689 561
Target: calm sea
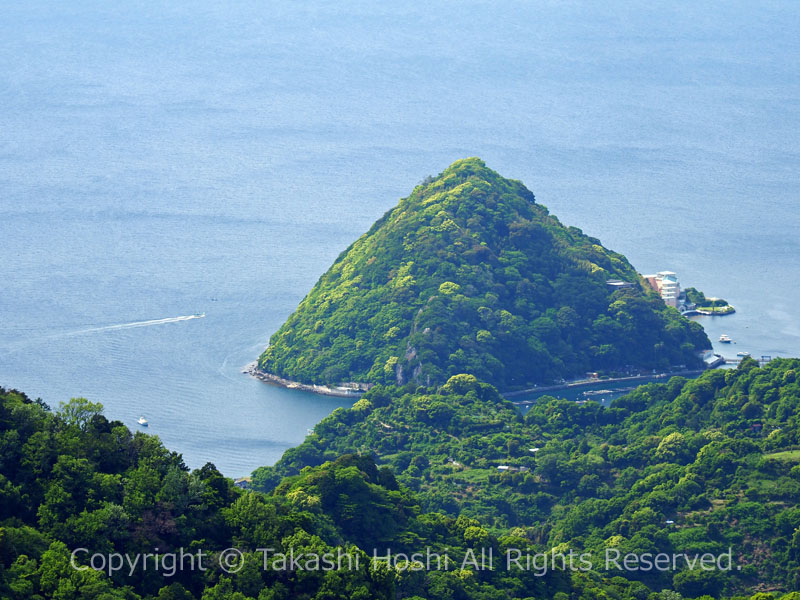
159 160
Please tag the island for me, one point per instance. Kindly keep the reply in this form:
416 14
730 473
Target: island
698 303
470 274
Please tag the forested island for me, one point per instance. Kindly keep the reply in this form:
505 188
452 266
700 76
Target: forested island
707 306
469 274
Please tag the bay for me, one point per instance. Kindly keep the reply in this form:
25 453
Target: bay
161 160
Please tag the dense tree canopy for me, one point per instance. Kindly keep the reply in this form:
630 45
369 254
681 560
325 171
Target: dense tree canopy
470 275
684 466
76 480
681 467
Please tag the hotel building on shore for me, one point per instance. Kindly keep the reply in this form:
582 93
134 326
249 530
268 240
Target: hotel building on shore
666 283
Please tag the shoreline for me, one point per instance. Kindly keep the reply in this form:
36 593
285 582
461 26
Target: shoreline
323 390
697 312
252 370
588 382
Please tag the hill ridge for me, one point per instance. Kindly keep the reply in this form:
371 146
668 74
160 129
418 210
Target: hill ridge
469 273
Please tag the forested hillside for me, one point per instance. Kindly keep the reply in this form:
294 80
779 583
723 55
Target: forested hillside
76 481
682 467
470 275
699 465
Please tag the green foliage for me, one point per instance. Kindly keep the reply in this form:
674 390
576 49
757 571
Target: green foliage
86 482
699 298
79 411
677 467
684 451
470 275
708 305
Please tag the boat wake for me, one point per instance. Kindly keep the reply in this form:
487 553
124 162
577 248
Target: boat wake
139 324
27 341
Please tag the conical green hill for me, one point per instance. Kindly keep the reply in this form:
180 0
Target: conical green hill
470 275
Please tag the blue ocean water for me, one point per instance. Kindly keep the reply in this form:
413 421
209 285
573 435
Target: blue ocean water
159 160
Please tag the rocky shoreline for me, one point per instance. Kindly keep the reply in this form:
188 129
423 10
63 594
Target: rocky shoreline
339 391
351 391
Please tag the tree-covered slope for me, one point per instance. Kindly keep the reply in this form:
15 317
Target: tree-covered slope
77 490
75 481
470 275
683 467
687 466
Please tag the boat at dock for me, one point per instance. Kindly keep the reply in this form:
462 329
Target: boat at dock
743 354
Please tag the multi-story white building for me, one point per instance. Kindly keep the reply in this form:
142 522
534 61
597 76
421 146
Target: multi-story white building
666 283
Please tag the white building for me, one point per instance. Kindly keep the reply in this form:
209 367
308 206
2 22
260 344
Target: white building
666 283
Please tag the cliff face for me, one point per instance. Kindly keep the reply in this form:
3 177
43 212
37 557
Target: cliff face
470 275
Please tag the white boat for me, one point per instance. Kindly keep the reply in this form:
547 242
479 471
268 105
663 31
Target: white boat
725 338
142 421
743 354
